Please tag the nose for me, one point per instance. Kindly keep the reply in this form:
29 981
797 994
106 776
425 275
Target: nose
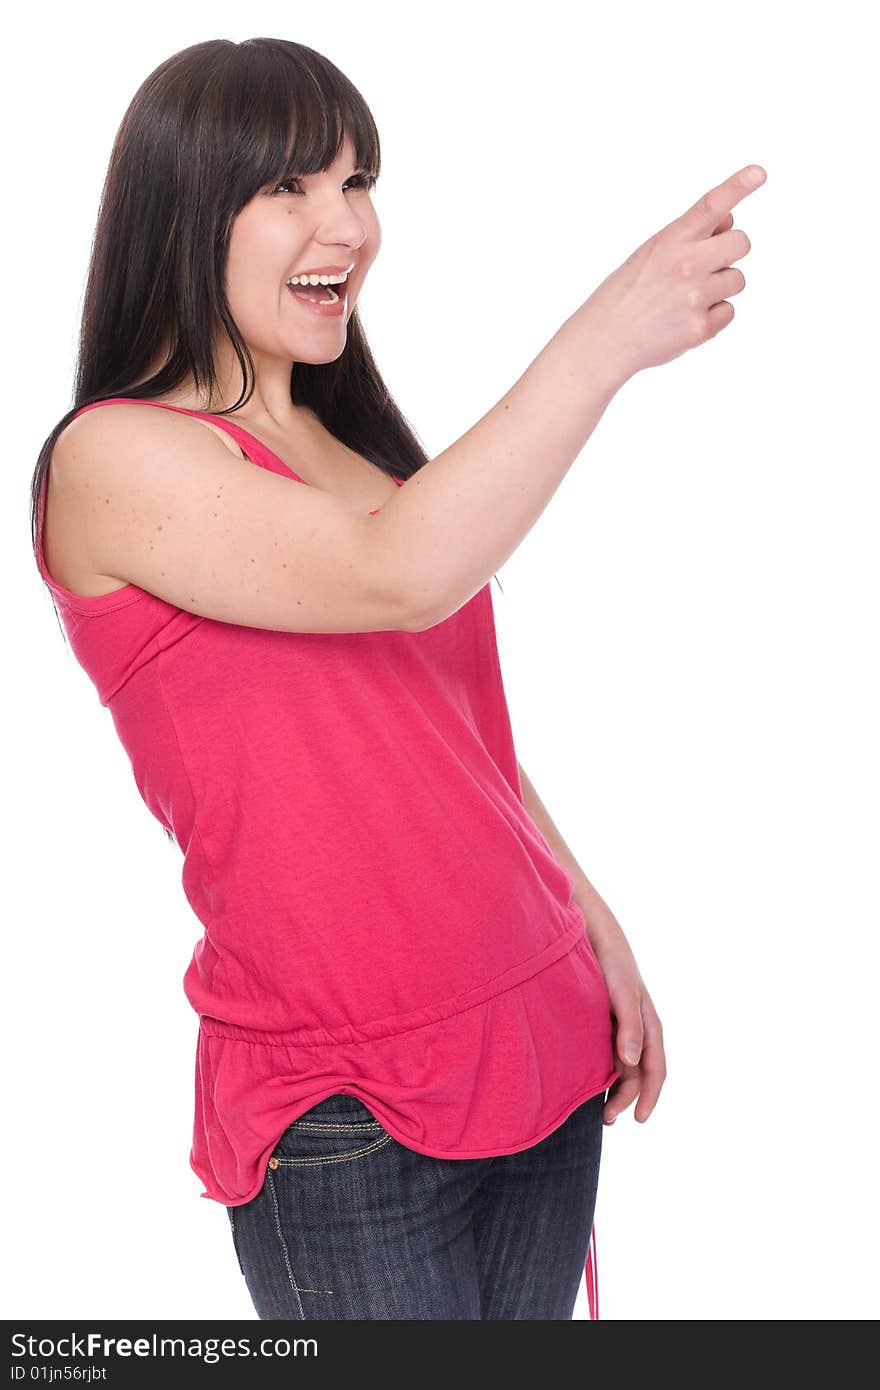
341 226
339 213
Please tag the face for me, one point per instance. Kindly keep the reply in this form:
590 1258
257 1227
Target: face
323 219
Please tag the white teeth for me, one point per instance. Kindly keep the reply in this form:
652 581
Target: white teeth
318 279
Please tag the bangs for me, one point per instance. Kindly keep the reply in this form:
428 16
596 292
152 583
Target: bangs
299 108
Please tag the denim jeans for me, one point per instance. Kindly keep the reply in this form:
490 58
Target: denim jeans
349 1223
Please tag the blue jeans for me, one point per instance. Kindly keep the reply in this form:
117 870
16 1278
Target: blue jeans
349 1223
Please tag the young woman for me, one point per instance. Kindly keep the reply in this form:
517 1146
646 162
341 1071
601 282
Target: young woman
415 1011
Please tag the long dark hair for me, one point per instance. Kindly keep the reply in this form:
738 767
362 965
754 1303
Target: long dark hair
209 128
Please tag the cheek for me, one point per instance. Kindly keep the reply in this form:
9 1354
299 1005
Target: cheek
259 257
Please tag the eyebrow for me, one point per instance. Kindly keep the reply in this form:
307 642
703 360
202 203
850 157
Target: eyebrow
358 169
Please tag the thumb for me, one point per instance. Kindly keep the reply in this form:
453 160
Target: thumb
630 1035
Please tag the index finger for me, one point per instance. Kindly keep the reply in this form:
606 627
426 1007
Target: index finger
702 219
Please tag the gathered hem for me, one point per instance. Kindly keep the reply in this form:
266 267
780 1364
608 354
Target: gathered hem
431 1152
492 1079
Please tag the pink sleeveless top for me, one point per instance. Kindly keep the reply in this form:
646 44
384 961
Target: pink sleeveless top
381 915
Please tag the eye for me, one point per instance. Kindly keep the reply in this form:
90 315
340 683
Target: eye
361 180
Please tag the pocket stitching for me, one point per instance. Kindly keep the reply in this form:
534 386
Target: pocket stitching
285 1252
336 1125
279 1161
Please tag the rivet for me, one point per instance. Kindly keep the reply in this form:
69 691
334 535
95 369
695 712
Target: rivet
273 1162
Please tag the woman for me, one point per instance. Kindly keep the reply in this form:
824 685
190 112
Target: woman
415 1011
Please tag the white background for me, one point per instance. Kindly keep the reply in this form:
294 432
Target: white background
688 634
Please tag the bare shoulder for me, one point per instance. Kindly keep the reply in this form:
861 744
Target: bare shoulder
150 497
73 472
140 422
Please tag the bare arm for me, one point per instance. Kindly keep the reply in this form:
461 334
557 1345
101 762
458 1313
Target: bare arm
457 520
159 501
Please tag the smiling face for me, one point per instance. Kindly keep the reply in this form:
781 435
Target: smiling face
309 221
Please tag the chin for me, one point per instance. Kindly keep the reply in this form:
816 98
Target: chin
316 358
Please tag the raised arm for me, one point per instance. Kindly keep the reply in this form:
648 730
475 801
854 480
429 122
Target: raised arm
457 520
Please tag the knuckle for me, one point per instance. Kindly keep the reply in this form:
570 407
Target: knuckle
701 329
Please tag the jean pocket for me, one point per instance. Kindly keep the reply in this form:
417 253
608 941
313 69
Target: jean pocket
339 1129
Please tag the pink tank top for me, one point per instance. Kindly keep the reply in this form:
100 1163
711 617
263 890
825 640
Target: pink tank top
381 915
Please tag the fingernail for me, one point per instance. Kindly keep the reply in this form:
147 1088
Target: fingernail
611 1121
754 175
631 1053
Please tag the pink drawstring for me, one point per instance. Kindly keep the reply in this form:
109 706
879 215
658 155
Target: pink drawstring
591 1270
